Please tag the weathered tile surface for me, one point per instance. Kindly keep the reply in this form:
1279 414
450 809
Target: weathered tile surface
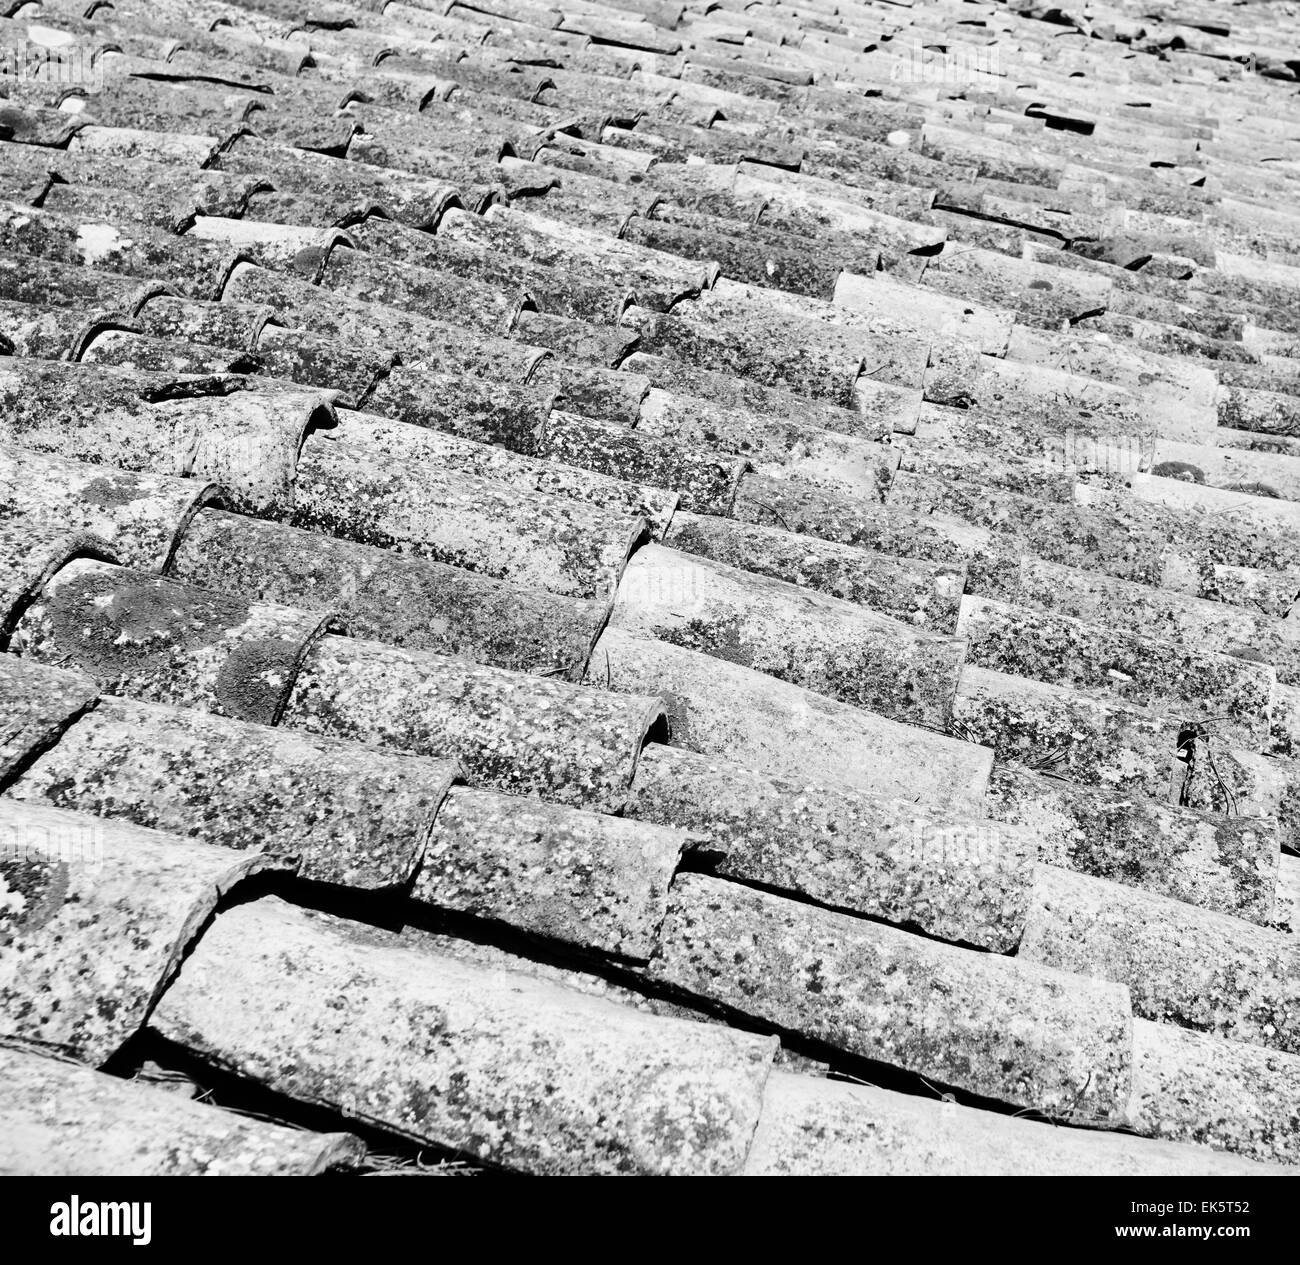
509 1070
714 438
62 1120
95 918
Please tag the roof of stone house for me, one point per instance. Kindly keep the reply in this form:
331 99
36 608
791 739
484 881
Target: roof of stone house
649 587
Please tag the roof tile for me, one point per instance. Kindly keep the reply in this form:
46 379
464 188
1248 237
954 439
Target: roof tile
97 918
346 814
533 1060
875 991
69 1121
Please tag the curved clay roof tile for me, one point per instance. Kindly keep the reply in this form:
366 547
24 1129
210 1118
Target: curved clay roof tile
543 1057
109 911
345 813
105 1126
160 641
395 598
510 732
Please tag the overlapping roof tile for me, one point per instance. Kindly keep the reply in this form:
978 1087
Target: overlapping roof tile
710 551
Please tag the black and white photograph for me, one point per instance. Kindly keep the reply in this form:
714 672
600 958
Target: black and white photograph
649 588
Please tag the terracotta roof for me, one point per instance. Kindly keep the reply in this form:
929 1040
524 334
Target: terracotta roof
649 588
